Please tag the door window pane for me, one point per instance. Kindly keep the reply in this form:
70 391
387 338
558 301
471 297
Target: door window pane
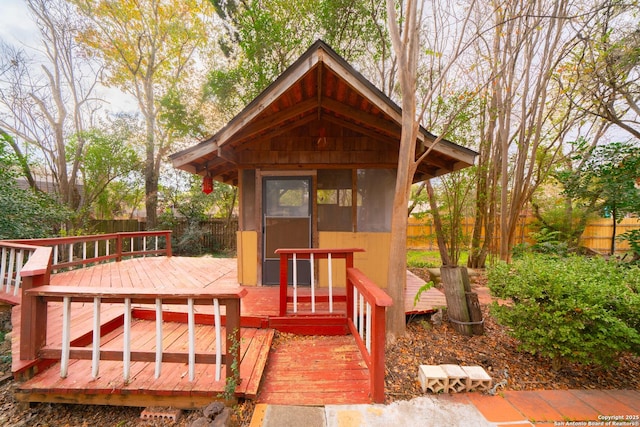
287 197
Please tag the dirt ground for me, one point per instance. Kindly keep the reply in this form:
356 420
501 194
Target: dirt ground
427 342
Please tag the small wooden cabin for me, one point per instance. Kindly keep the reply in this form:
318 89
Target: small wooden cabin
315 158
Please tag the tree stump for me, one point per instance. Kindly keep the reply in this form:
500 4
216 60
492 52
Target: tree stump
454 292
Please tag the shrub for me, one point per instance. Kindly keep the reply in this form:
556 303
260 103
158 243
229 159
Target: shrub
572 309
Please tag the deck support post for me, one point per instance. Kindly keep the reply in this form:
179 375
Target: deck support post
377 370
283 284
33 310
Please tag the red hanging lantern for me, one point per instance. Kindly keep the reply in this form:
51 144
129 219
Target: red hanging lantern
207 184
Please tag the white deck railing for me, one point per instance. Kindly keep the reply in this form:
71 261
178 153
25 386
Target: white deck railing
13 256
312 255
159 299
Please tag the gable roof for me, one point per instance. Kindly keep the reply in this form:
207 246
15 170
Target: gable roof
318 91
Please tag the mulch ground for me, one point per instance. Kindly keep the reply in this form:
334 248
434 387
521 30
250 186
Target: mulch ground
433 343
427 342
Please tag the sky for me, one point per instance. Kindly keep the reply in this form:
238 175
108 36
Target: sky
17 28
16 25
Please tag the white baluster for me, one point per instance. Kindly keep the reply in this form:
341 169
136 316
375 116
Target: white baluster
144 245
55 255
66 336
12 261
96 251
330 272
368 328
126 352
295 284
361 316
70 252
19 263
95 353
158 337
355 307
216 316
192 340
313 285
84 253
106 247
3 269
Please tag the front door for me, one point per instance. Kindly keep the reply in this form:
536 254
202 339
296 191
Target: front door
286 223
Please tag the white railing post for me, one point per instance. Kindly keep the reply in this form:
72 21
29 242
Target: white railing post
355 307
158 337
313 285
295 283
126 352
70 252
84 253
96 249
12 260
144 246
330 272
368 328
3 269
95 353
19 263
192 340
361 316
66 336
216 317
55 254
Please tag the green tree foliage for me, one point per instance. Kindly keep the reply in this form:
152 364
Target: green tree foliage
150 49
25 213
607 181
569 309
108 157
264 37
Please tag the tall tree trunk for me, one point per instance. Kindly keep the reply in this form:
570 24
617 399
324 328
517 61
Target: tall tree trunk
437 222
405 45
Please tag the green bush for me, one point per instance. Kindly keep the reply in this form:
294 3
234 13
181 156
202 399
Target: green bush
574 309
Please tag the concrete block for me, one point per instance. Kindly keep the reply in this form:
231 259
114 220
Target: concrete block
433 378
457 378
477 378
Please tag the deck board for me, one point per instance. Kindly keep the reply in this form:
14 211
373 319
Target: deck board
315 371
174 378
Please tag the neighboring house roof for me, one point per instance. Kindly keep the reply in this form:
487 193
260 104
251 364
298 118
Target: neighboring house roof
319 91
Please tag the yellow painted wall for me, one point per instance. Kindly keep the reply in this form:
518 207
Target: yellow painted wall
247 257
374 262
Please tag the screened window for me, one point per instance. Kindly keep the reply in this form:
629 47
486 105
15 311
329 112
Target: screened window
376 188
334 197
248 208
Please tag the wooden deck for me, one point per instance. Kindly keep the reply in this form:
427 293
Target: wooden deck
172 388
337 373
328 370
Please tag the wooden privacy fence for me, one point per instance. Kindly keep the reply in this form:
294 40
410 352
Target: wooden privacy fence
596 236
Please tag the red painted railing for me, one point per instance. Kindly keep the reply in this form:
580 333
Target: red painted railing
295 255
366 307
366 310
82 250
